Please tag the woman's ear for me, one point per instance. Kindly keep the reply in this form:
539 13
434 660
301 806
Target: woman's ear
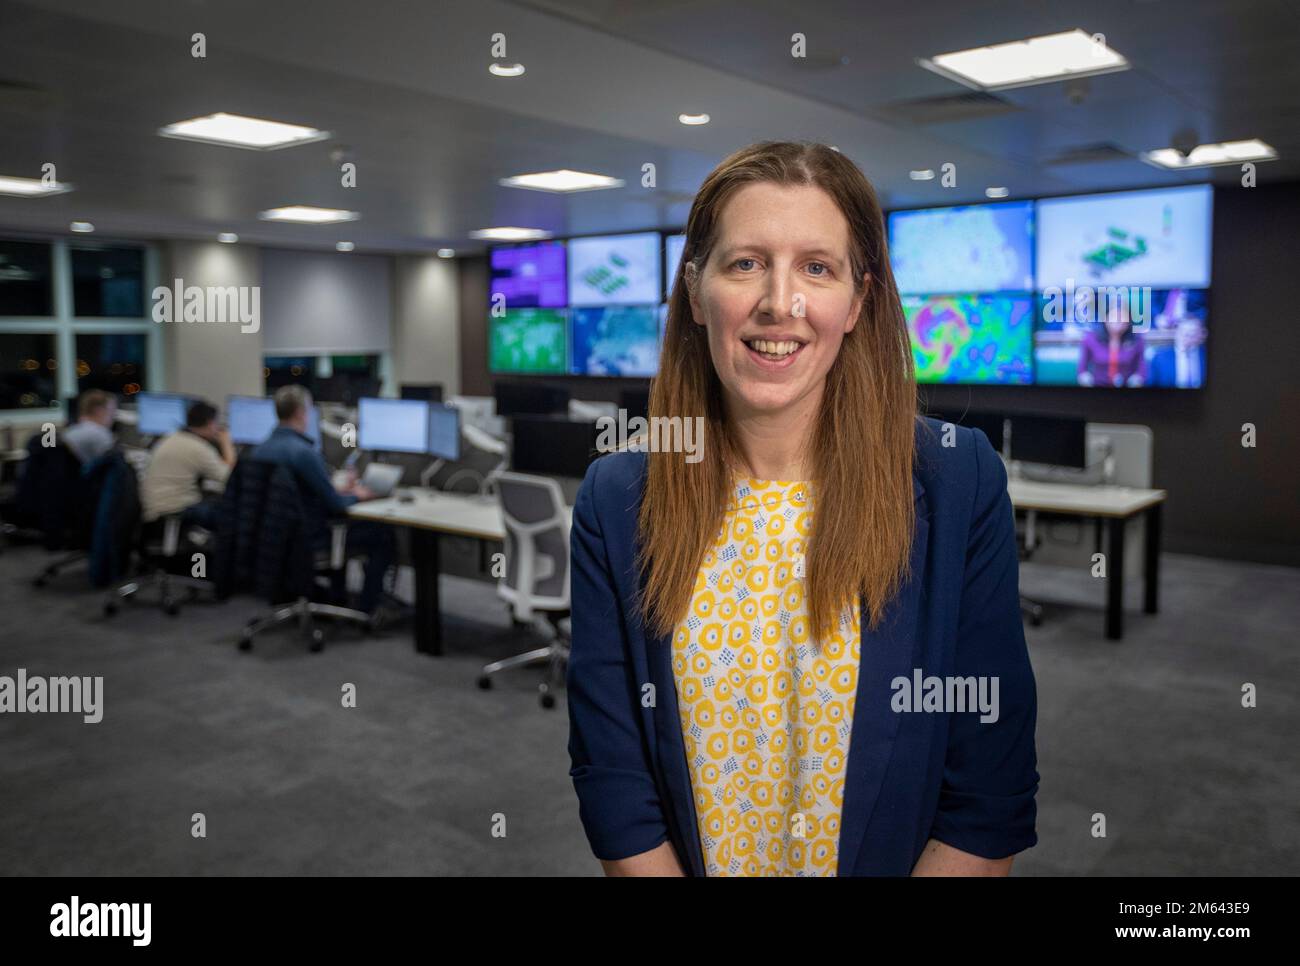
691 276
855 310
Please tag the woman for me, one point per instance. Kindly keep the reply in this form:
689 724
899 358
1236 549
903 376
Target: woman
1111 353
743 681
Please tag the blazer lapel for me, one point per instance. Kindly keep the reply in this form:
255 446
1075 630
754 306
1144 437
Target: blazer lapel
891 650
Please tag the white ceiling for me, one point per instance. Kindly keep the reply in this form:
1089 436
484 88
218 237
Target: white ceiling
404 88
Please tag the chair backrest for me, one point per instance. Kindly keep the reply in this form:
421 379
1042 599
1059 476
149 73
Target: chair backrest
53 496
537 544
264 537
115 495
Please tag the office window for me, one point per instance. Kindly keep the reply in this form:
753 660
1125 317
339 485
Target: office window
78 308
115 362
26 284
107 282
29 377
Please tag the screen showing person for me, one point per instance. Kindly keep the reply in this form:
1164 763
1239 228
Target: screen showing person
393 425
615 269
971 338
1092 340
528 340
160 413
1177 341
1158 238
971 248
615 341
530 276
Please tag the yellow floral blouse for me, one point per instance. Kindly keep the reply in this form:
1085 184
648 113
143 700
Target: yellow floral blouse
766 712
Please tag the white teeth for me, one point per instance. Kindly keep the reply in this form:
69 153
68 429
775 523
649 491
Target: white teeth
767 347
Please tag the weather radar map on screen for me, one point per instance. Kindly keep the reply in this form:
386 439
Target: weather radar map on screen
971 338
616 341
972 248
614 270
1158 238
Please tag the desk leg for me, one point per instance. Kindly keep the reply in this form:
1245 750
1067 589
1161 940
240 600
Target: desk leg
1152 574
1115 580
428 612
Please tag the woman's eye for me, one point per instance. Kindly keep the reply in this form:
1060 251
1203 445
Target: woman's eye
825 270
744 264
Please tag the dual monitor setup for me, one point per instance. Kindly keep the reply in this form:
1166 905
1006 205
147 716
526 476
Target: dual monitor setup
1101 290
416 426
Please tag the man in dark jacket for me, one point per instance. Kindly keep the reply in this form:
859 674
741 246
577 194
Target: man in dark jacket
290 446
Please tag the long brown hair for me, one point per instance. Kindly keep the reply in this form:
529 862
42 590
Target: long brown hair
862 446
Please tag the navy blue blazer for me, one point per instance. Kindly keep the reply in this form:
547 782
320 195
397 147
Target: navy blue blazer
910 777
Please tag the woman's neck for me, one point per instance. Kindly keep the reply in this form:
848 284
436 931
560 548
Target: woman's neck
776 445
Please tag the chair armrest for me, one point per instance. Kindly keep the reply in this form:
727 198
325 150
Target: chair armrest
171 534
338 540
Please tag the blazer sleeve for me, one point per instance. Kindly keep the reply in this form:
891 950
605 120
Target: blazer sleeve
990 778
618 800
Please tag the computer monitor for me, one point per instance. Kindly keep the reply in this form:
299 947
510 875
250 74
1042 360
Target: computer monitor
615 270
429 392
444 431
160 413
990 424
393 425
252 419
966 249
550 446
530 398
635 401
1058 440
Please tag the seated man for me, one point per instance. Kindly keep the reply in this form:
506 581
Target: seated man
182 463
290 446
91 436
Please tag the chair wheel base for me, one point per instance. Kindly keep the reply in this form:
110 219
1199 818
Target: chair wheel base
484 682
245 643
110 608
548 700
317 640
171 608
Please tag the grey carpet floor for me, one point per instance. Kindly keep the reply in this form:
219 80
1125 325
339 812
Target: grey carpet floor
425 772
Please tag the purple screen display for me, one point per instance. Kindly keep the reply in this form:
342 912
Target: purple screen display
531 276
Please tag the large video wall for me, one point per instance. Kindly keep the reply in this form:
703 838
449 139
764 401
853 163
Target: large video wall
1106 290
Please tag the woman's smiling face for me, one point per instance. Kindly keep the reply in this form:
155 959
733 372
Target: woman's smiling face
777 296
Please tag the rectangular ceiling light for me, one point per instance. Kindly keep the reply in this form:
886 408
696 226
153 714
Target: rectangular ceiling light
31 187
510 234
308 215
1209 155
237 131
1037 60
562 180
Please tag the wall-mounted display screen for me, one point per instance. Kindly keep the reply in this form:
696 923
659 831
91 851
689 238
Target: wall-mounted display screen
615 341
1142 339
972 249
530 276
971 338
615 269
528 340
1159 238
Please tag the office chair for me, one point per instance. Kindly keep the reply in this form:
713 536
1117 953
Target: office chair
1027 544
158 549
537 573
54 500
265 543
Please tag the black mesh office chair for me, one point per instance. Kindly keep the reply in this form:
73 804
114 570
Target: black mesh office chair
537 573
158 558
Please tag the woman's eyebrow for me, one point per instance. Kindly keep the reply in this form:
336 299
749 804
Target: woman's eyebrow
823 253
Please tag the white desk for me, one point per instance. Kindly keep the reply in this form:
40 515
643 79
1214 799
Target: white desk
1116 505
427 515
